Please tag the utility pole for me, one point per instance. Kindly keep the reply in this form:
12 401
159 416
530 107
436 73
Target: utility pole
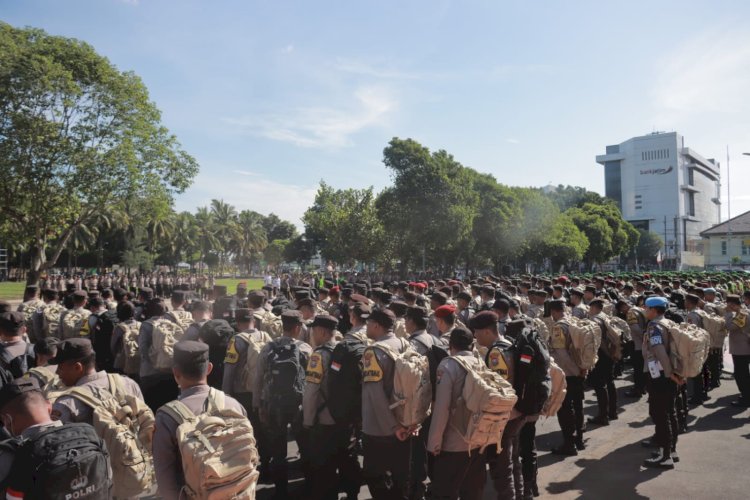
666 243
729 216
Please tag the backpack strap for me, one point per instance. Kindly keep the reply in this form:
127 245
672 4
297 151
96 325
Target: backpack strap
178 412
85 396
215 400
116 387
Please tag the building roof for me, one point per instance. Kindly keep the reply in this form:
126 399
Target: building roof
738 225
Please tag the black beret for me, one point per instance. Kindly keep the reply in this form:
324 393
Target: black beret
17 387
416 312
361 310
465 296
439 297
304 303
96 301
74 349
557 305
46 346
461 338
215 332
692 297
80 294
483 319
383 317
179 295
325 321
188 353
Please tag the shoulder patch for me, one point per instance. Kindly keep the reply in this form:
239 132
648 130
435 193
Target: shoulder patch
371 370
232 355
740 319
557 339
496 362
315 368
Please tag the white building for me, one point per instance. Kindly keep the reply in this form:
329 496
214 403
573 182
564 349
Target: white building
665 187
728 244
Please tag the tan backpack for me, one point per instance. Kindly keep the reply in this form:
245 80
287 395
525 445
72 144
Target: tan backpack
586 337
126 425
28 309
182 318
75 323
254 348
129 358
489 399
716 327
544 327
51 319
613 337
270 323
51 385
165 335
218 451
557 392
411 398
399 328
688 347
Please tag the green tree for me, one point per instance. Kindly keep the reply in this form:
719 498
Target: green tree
274 252
299 250
344 224
226 230
648 246
278 229
608 233
76 134
250 239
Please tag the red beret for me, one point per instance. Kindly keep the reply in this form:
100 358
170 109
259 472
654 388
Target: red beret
421 286
445 311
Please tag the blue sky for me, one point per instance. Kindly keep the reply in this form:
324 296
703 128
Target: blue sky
273 96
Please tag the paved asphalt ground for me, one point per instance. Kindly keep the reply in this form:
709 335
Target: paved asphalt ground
714 455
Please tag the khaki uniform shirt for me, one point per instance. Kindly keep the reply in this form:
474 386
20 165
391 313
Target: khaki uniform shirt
739 332
449 416
637 323
314 399
377 387
167 459
421 341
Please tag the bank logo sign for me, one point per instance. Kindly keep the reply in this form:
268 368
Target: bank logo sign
656 171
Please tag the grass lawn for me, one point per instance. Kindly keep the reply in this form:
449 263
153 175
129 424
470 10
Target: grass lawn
14 290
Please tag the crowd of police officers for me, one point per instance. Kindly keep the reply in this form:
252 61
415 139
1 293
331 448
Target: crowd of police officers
473 320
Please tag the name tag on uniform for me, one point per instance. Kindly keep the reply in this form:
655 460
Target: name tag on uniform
371 370
315 369
654 368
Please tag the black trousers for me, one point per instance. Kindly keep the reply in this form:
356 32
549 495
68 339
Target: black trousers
661 408
386 468
602 379
261 441
458 474
278 428
715 366
333 464
527 447
742 374
639 376
421 461
570 414
505 465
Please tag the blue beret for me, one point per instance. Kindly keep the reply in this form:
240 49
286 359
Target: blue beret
709 290
657 302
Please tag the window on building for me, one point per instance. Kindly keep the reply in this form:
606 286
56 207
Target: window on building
744 248
691 204
691 177
723 248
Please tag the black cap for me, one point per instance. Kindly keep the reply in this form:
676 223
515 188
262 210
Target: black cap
46 346
16 388
461 338
439 297
325 321
465 296
291 315
361 310
483 319
416 312
72 350
188 353
80 294
383 317
11 321
398 307
305 303
179 295
243 315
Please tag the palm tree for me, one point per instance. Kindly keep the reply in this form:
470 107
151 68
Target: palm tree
205 233
225 221
250 239
185 239
81 239
160 226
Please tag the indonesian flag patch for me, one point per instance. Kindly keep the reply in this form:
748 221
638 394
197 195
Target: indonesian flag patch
335 366
11 494
525 358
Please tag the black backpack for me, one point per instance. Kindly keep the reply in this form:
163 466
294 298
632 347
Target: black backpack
102 340
531 363
285 380
19 365
345 381
216 333
60 463
435 355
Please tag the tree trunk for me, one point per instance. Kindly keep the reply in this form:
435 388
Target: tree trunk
38 259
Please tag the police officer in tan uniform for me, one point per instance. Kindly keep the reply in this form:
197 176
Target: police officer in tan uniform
76 367
570 415
457 471
386 443
739 347
578 308
328 441
191 369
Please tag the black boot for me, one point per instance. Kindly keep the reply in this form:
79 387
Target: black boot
568 448
579 443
